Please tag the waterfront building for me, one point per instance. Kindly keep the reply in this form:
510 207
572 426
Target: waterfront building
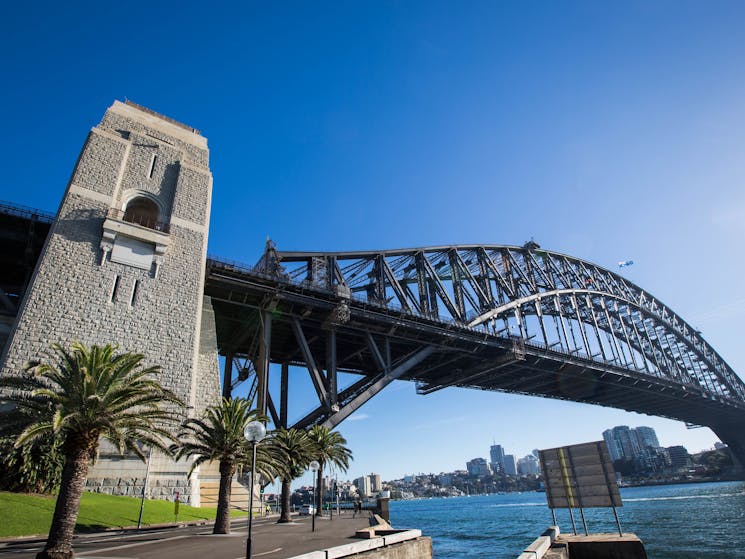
445 480
346 490
364 487
647 437
652 459
478 467
528 466
496 453
510 465
679 458
614 448
375 483
623 442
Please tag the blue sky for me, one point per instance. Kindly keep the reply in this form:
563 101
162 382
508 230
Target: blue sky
605 130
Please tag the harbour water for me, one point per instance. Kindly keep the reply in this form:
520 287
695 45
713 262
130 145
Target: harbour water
674 521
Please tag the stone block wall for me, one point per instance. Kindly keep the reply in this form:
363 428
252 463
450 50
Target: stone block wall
79 292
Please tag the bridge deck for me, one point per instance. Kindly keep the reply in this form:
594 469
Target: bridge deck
462 356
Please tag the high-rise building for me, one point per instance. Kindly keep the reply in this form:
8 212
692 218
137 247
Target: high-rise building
623 442
528 466
510 465
478 467
376 483
647 437
364 487
496 453
614 447
679 458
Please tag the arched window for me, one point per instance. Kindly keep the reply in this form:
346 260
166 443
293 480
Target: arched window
142 211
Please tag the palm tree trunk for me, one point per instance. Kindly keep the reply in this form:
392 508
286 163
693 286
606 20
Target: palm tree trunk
222 521
285 516
74 472
319 491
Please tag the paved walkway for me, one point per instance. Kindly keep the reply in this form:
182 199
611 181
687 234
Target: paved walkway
297 538
270 540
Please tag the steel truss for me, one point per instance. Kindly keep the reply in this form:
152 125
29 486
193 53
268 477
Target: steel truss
517 319
581 308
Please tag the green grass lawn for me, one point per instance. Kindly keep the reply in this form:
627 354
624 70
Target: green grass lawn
26 515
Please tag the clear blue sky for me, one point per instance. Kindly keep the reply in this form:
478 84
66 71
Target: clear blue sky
605 130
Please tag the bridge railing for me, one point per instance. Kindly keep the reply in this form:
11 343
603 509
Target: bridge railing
139 219
390 306
26 212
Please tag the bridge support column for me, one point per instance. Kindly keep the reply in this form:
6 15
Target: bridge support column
733 435
285 378
262 371
333 403
124 263
412 361
227 376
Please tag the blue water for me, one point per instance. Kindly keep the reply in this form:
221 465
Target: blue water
674 521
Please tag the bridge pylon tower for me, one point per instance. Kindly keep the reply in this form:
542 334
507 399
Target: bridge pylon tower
124 263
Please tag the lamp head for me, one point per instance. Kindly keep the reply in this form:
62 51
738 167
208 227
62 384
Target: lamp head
254 431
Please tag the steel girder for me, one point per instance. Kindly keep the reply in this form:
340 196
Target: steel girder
563 303
511 319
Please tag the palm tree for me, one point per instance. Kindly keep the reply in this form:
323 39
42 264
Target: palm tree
328 448
89 393
292 450
218 436
35 467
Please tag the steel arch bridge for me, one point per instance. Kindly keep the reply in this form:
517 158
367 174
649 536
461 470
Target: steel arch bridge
503 318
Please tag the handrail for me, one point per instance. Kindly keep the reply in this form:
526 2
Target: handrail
139 219
26 212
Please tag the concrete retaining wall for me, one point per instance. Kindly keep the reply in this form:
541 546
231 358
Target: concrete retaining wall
407 544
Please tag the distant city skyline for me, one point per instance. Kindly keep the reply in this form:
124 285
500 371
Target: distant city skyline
478 465
622 441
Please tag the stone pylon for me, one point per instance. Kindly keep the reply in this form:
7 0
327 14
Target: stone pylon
124 263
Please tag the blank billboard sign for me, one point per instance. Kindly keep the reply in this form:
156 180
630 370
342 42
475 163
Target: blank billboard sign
579 476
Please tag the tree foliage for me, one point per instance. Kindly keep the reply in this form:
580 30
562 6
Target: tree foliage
329 448
31 468
78 396
218 436
35 467
293 451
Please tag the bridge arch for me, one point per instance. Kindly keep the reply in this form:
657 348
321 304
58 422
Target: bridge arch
473 285
492 317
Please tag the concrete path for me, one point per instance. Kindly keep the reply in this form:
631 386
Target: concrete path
270 540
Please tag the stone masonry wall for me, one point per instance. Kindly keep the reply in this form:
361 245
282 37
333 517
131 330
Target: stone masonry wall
72 296
208 383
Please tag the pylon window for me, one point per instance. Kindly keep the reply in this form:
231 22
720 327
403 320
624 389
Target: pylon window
142 211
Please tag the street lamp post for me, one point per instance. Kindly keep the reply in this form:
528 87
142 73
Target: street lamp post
331 502
336 492
314 467
254 433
